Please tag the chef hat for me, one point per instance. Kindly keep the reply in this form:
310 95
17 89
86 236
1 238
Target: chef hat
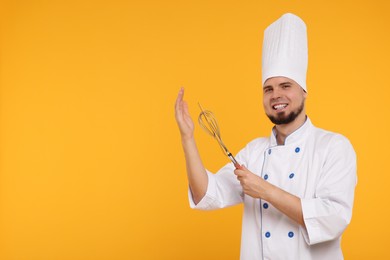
285 50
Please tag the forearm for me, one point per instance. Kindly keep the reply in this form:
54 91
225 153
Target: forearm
285 202
196 173
257 187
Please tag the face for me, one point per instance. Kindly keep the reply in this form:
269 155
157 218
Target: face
283 100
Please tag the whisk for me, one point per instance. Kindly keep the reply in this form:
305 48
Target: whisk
209 124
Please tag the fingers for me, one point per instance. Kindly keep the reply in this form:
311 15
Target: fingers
240 167
240 170
181 106
183 117
179 99
243 174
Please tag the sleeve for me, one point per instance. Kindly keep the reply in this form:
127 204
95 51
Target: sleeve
224 190
328 214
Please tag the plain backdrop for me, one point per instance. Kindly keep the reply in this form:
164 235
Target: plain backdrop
91 165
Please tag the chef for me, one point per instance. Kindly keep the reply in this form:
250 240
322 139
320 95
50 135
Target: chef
297 185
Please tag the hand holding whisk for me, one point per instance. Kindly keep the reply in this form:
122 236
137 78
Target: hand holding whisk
209 124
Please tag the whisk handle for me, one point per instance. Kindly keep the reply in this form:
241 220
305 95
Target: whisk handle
234 161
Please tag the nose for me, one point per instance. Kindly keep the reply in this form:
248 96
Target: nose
275 94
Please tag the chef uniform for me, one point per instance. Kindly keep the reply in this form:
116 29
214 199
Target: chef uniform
315 165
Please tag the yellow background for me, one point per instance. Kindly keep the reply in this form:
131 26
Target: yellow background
90 156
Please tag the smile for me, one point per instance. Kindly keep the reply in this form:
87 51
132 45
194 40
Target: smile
279 106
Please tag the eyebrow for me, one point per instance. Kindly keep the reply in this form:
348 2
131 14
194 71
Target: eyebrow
285 83
281 84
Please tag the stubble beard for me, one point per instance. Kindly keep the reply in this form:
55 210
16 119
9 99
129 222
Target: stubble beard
282 118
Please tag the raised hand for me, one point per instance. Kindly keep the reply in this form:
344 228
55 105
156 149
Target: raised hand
196 173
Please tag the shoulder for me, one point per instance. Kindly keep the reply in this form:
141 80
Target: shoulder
336 154
331 141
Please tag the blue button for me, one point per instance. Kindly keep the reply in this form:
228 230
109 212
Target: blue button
269 151
297 149
265 205
265 176
290 234
267 234
291 175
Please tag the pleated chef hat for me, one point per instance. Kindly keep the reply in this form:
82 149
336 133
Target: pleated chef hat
285 50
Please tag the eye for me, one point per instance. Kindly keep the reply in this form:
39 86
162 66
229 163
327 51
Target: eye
267 90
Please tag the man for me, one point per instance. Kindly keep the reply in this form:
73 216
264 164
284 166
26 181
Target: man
298 185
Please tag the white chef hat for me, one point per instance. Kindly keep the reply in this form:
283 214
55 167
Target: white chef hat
285 50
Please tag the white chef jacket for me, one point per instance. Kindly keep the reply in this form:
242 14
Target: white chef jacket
316 165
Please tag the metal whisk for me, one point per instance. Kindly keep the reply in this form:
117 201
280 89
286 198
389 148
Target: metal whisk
209 124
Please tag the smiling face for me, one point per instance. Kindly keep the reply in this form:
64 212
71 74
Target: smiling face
283 100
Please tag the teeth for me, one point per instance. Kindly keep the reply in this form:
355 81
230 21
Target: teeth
281 106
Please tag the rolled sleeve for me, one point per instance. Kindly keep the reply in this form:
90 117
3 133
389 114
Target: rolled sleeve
208 200
322 220
328 214
223 190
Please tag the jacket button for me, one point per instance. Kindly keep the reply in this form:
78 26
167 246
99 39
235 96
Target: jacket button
269 151
290 234
265 205
267 234
291 175
265 176
297 149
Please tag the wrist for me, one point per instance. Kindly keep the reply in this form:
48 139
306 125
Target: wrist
186 140
268 192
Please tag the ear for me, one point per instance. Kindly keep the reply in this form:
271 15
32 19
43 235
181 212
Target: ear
304 94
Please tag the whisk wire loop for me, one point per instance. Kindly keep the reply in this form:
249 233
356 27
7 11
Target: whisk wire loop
209 124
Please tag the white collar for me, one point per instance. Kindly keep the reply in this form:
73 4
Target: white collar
296 136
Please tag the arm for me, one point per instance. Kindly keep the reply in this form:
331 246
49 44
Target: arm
257 187
325 216
329 212
196 173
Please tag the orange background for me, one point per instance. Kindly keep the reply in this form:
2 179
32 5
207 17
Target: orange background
91 165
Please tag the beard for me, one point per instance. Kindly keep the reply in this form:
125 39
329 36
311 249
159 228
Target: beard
282 118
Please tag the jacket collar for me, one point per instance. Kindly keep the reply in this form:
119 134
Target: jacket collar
298 135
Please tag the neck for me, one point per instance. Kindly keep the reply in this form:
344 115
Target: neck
284 130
